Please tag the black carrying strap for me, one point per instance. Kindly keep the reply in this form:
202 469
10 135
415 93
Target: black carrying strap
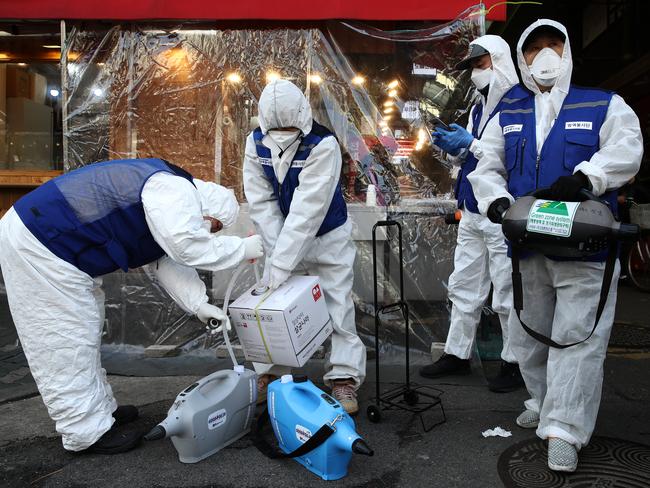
518 295
274 452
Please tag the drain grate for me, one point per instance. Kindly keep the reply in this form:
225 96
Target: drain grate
628 335
605 462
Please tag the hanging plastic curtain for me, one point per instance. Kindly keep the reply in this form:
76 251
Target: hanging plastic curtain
188 93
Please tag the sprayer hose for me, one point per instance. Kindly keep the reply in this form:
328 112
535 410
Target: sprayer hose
226 303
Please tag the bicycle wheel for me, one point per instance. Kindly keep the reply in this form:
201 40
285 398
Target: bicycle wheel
638 264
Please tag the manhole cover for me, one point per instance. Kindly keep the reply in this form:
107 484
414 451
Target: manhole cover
605 462
626 335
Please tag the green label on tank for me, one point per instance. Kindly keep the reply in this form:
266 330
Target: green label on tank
552 217
556 208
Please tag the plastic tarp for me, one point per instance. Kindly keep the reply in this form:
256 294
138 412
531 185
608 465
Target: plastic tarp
189 95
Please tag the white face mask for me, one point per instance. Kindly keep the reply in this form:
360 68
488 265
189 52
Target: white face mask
546 67
482 77
284 138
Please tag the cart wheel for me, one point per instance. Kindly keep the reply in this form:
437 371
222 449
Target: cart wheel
374 414
411 397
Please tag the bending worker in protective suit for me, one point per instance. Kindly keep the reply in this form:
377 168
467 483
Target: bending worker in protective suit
549 133
292 169
481 254
59 240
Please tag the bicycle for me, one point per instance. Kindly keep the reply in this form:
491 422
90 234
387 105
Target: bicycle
638 258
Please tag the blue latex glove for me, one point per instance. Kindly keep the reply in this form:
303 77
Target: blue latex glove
452 141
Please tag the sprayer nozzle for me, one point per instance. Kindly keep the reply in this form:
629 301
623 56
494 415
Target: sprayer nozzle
157 433
360 447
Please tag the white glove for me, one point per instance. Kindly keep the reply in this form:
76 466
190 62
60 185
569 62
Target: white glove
207 312
277 277
253 247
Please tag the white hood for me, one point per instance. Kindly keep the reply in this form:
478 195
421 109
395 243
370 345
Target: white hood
561 87
505 75
282 104
217 201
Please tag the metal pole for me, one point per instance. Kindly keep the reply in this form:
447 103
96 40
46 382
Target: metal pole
404 307
374 274
131 132
64 96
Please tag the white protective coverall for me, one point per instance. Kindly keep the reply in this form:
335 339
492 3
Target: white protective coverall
58 310
481 254
561 297
291 244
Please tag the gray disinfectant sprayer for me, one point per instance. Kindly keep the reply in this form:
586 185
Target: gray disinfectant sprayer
566 230
215 411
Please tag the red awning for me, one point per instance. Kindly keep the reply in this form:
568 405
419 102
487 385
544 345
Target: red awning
241 10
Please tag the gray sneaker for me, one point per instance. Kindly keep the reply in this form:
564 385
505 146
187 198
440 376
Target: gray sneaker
562 456
528 419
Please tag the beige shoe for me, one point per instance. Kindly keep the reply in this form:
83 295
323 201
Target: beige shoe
262 386
344 392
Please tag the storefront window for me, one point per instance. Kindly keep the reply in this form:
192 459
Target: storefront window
188 93
30 97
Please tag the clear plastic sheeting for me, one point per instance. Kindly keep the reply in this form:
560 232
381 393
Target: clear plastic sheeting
188 94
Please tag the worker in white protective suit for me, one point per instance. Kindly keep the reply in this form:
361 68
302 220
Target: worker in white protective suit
292 168
549 133
59 240
481 255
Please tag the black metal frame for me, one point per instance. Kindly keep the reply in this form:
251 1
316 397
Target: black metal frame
410 397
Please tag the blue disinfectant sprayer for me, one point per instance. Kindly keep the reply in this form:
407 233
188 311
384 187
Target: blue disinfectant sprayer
216 410
312 427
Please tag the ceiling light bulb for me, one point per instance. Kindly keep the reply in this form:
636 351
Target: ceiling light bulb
233 77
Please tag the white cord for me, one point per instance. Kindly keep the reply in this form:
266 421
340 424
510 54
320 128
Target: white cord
257 272
226 303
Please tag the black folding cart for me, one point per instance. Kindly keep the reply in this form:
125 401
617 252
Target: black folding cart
410 397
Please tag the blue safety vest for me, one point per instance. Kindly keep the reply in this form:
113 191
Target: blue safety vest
464 191
337 214
573 138
93 217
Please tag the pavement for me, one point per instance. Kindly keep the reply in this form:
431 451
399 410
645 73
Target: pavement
453 454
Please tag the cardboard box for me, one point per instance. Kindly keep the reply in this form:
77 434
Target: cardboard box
18 82
29 134
38 87
285 327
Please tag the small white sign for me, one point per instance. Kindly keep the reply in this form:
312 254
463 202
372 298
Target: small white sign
411 110
422 70
578 125
512 128
217 419
303 434
552 217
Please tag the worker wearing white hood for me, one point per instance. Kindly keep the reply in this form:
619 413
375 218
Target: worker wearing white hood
292 169
549 133
481 255
59 240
